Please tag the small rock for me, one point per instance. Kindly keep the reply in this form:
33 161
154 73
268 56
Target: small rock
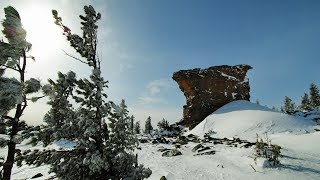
203 149
228 143
191 135
197 147
236 139
206 153
171 153
163 149
143 140
217 142
195 140
221 166
163 178
235 145
37 175
248 145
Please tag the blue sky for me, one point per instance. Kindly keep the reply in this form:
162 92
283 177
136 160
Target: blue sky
143 42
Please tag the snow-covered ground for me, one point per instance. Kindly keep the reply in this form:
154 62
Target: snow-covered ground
244 119
299 142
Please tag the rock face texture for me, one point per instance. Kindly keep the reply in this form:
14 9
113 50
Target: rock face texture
206 90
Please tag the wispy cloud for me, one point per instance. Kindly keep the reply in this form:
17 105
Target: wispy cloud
154 92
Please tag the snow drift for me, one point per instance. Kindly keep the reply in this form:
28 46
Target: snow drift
245 119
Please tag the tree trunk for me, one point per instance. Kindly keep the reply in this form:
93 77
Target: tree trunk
7 167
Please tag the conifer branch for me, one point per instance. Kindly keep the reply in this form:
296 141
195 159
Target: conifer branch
10 67
8 117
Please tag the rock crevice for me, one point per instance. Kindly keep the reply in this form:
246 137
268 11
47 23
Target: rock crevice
206 90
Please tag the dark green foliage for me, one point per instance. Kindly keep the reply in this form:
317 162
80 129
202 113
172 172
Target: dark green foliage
314 96
137 128
120 134
288 106
61 118
305 103
148 126
163 124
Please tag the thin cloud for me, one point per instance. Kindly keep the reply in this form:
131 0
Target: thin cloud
155 87
154 92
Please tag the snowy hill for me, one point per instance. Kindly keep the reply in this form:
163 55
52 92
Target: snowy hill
245 119
300 150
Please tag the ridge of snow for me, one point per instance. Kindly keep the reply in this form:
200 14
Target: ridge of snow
245 119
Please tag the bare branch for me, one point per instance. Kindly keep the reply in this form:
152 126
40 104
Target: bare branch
74 57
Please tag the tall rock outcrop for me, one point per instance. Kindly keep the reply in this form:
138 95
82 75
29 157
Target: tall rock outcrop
206 90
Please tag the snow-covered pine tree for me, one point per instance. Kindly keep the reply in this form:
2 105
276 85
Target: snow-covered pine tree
314 96
148 126
288 106
13 92
137 128
98 152
124 164
305 103
60 120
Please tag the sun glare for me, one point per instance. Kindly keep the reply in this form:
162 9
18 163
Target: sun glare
42 33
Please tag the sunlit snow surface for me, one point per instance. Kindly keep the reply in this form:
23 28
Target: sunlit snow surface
244 119
300 149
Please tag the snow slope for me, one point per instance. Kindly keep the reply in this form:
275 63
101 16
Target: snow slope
300 150
245 119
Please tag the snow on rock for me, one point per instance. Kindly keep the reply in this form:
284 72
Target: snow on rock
245 119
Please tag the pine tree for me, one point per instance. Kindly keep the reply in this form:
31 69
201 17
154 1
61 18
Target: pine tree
137 128
163 124
289 106
13 92
305 103
60 120
122 140
314 96
100 150
148 126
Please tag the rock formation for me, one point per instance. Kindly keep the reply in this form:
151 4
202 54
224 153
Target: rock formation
206 90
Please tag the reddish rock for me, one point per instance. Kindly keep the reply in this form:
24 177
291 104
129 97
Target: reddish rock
206 90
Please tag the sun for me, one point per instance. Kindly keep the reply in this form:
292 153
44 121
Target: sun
42 33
